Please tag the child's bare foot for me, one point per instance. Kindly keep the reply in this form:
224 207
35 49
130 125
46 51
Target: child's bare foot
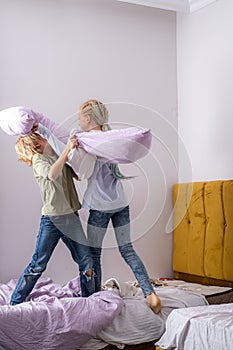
154 302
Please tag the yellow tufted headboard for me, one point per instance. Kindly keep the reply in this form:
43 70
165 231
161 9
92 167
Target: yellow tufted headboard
203 232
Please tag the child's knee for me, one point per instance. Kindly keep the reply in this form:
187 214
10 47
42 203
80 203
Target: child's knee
89 273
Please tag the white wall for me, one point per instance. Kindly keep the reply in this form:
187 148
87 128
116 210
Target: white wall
205 85
54 55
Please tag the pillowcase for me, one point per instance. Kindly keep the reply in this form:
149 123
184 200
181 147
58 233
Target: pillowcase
17 120
20 120
119 146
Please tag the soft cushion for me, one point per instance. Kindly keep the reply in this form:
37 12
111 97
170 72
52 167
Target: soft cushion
20 120
117 146
120 146
17 120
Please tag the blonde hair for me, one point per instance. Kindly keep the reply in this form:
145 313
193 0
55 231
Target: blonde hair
27 146
98 111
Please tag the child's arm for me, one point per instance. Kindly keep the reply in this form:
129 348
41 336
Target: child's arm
54 142
82 162
56 169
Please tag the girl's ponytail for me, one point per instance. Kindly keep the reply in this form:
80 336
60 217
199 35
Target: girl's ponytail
98 111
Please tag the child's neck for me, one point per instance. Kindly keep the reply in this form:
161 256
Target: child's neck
48 150
97 127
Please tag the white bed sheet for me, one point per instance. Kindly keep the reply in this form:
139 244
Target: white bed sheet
197 287
207 328
137 324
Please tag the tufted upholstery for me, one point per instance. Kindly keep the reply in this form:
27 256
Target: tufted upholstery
203 232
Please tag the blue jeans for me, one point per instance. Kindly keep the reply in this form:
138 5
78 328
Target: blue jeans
97 226
51 230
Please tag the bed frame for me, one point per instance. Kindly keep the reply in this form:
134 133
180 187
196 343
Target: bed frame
203 235
203 232
143 346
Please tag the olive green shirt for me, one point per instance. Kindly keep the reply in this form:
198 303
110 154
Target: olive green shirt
59 196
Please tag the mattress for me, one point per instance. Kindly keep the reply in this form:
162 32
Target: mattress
206 327
213 294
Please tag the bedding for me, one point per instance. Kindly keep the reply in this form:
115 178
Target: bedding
146 328
118 146
59 318
198 288
202 327
213 294
54 316
137 324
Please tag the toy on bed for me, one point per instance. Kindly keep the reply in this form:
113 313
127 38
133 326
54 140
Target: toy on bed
118 145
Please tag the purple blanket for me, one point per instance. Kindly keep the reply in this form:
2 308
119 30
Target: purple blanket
55 316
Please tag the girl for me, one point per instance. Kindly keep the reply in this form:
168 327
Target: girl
59 218
106 200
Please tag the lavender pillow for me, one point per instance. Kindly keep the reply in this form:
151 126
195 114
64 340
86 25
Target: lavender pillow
20 120
120 146
117 146
17 120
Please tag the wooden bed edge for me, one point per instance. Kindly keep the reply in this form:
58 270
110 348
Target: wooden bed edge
143 346
202 280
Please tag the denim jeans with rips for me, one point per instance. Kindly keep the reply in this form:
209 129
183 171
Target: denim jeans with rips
68 228
97 226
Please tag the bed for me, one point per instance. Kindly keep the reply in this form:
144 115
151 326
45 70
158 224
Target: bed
203 253
57 317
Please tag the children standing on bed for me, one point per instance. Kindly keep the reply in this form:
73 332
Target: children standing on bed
59 218
106 200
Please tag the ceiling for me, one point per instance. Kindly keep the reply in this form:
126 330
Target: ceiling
184 6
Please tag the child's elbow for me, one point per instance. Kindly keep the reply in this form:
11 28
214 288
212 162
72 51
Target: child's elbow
52 176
